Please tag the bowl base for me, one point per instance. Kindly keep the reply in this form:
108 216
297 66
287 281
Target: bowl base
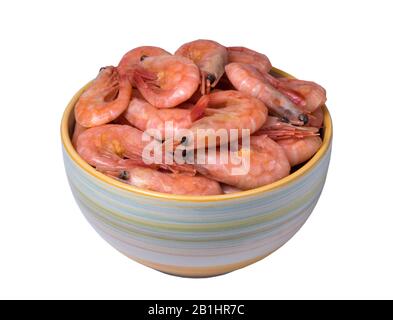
197 272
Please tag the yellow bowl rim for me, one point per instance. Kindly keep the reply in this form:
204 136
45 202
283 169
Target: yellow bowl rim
68 147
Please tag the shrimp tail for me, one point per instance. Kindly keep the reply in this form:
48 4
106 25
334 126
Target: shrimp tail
198 110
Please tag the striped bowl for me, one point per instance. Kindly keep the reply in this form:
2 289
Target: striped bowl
195 236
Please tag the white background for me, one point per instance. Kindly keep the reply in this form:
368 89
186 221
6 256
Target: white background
49 49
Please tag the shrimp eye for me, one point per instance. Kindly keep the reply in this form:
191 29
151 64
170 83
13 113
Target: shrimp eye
211 78
184 153
143 57
304 118
124 175
183 140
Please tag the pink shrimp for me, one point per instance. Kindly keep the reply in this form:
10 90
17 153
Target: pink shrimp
175 183
211 58
115 147
160 123
306 94
105 99
267 164
299 143
249 80
177 78
223 111
300 150
244 55
133 57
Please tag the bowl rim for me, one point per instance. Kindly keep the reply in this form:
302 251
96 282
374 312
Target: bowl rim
70 150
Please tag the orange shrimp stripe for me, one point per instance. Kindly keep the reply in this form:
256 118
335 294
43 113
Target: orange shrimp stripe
68 121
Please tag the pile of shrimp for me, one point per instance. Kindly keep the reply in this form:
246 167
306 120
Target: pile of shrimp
203 85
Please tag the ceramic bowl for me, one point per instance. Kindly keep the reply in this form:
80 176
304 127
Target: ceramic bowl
195 236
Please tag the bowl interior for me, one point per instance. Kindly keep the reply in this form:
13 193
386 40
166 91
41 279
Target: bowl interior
68 123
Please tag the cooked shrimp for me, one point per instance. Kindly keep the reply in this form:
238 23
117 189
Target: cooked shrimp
306 94
211 58
250 81
224 111
160 123
267 164
106 99
175 183
177 78
244 55
133 57
115 147
277 129
300 150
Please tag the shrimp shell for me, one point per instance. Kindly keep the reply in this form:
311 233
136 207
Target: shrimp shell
268 163
211 58
177 78
227 110
314 96
175 183
133 57
146 117
105 100
249 80
114 147
244 55
300 150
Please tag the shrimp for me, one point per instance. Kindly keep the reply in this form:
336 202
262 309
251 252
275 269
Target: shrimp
133 57
115 147
268 163
249 80
144 116
299 143
224 111
306 94
106 99
300 150
177 78
211 58
244 55
175 183
278 129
